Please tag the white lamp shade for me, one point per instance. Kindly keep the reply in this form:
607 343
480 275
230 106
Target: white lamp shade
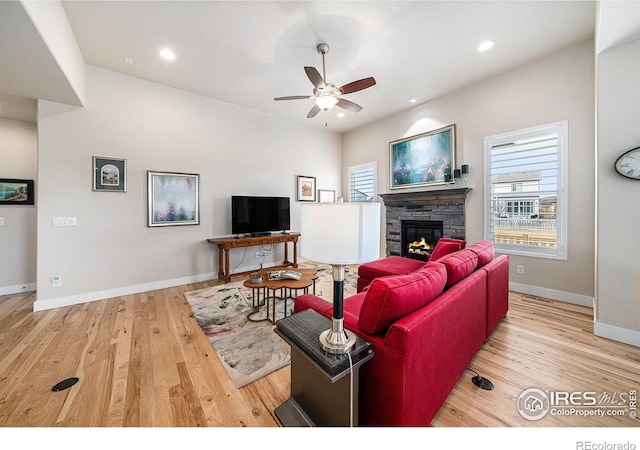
340 233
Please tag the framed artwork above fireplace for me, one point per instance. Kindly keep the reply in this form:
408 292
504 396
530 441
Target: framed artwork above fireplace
422 160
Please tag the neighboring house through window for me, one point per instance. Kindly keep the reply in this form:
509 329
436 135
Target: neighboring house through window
526 191
362 182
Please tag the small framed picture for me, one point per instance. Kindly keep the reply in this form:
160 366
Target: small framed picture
173 199
109 174
326 196
306 189
16 192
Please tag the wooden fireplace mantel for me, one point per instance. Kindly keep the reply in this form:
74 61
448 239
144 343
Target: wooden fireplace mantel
434 197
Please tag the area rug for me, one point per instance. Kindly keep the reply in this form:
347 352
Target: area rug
250 350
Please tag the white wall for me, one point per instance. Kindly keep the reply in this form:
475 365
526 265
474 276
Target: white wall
618 215
557 88
18 148
111 251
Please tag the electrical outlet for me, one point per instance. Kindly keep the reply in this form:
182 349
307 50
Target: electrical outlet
520 269
56 281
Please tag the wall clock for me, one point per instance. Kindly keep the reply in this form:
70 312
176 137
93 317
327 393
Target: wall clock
628 164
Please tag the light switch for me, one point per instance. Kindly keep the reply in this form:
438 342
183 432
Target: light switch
1 221
64 222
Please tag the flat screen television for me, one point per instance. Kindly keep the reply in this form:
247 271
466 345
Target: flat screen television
259 215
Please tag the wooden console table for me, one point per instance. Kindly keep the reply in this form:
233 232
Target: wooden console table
227 243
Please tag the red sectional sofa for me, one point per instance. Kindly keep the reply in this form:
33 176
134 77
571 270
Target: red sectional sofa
425 325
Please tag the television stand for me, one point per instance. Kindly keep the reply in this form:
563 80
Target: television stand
225 244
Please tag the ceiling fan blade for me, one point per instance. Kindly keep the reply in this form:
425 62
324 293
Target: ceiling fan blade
359 85
314 112
348 105
315 77
293 97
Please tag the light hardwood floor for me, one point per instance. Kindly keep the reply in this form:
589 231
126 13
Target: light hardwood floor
143 361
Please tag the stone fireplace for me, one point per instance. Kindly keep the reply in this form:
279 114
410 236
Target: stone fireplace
434 214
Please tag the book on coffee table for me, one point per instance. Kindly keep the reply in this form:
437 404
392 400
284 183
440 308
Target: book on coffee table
283 275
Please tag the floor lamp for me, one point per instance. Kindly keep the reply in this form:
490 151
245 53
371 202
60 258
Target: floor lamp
339 234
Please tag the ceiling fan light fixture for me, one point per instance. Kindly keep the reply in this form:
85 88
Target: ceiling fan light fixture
326 102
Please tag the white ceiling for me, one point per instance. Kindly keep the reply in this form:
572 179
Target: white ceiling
247 53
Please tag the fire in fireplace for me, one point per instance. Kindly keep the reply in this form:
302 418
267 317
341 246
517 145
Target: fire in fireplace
419 237
421 247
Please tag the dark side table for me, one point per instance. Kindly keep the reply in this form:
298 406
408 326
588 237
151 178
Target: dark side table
324 387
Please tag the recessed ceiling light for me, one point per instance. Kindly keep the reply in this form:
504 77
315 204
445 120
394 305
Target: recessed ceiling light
341 115
486 45
167 53
412 99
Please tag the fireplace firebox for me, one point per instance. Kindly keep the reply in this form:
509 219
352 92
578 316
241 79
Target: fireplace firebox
419 237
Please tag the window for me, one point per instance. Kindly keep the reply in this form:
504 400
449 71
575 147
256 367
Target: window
362 183
526 191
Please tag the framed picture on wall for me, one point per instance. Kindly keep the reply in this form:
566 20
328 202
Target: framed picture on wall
16 192
326 196
173 199
422 160
306 189
109 174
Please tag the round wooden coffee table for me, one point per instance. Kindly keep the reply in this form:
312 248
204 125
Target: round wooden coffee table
264 293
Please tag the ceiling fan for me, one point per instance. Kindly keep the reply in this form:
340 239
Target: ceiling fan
326 94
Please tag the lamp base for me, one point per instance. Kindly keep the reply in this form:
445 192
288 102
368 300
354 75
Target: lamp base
337 342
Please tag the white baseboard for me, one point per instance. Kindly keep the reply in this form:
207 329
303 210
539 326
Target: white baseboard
27 287
612 332
50 303
561 296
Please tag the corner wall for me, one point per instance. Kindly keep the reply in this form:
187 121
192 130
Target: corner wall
111 251
18 150
557 88
618 215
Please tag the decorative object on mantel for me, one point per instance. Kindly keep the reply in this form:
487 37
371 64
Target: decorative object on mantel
423 160
465 173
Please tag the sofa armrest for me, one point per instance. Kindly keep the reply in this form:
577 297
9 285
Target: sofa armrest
497 291
310 301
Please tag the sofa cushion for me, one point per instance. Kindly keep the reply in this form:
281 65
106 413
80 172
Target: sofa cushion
444 246
392 265
389 298
484 250
459 265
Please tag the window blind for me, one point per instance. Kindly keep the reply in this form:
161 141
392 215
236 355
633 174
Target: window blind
525 183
